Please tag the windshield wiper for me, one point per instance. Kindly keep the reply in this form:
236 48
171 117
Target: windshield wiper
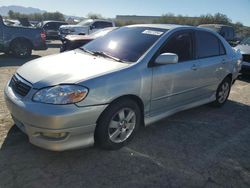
88 51
103 54
100 53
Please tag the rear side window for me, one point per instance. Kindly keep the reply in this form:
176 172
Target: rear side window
60 24
50 25
100 24
227 33
180 44
208 45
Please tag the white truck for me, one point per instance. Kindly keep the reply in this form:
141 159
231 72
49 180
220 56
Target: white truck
85 27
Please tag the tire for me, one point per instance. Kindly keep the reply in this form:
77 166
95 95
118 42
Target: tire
118 124
21 48
222 92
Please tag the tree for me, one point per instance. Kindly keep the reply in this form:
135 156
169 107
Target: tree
94 16
11 14
37 16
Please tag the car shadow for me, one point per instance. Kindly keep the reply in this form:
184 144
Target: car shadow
53 43
197 147
244 77
7 60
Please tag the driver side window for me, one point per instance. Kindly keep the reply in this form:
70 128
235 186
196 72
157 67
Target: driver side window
180 44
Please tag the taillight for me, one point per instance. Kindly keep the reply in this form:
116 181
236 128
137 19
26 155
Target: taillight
43 35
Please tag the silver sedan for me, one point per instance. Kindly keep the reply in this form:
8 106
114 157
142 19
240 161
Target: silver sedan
134 76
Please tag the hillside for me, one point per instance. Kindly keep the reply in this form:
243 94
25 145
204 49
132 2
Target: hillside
24 10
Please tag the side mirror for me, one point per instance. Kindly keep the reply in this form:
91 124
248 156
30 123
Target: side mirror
92 27
167 58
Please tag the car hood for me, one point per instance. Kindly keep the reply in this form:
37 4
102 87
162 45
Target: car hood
66 68
244 49
78 37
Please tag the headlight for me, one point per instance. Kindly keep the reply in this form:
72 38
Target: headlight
61 94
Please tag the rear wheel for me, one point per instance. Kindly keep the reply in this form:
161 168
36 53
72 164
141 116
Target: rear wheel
222 92
118 124
21 49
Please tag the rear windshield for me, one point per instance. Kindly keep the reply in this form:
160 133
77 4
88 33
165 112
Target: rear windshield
85 22
126 43
211 27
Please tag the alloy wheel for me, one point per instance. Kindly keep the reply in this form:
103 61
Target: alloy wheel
223 93
122 125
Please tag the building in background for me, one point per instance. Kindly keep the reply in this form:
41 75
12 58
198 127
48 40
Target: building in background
136 19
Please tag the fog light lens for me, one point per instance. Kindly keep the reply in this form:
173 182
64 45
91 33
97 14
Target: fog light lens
54 135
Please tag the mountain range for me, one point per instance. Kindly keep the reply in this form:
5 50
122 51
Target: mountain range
26 10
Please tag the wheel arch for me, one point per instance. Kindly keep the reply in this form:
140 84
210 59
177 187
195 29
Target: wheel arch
21 39
230 76
135 98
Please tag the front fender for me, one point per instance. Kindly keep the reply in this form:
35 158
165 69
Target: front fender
133 80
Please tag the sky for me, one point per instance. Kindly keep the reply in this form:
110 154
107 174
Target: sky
236 10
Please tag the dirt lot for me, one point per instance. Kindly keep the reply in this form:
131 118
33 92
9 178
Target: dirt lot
202 147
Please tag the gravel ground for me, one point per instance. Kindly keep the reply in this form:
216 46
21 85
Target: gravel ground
201 147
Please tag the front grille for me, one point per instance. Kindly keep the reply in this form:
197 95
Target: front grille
19 86
246 57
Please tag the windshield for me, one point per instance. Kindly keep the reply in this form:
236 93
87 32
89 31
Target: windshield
246 41
85 22
211 27
127 43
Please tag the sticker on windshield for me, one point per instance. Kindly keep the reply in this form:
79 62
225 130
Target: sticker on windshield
152 32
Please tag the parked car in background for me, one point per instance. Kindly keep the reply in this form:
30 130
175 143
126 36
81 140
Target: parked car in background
85 27
51 28
225 31
20 22
136 75
72 42
244 48
10 22
20 41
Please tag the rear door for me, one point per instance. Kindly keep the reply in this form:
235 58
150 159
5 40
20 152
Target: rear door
175 85
212 61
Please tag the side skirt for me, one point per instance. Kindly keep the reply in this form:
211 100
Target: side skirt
152 119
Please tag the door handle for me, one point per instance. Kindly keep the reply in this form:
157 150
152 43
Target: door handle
223 61
194 67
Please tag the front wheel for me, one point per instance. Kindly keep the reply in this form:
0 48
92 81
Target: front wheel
222 92
118 124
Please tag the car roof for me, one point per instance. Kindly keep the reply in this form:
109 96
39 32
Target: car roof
47 21
94 20
162 26
214 25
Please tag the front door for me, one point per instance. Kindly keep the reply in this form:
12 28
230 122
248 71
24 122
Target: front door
175 85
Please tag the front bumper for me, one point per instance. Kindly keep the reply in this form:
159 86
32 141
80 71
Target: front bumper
76 124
